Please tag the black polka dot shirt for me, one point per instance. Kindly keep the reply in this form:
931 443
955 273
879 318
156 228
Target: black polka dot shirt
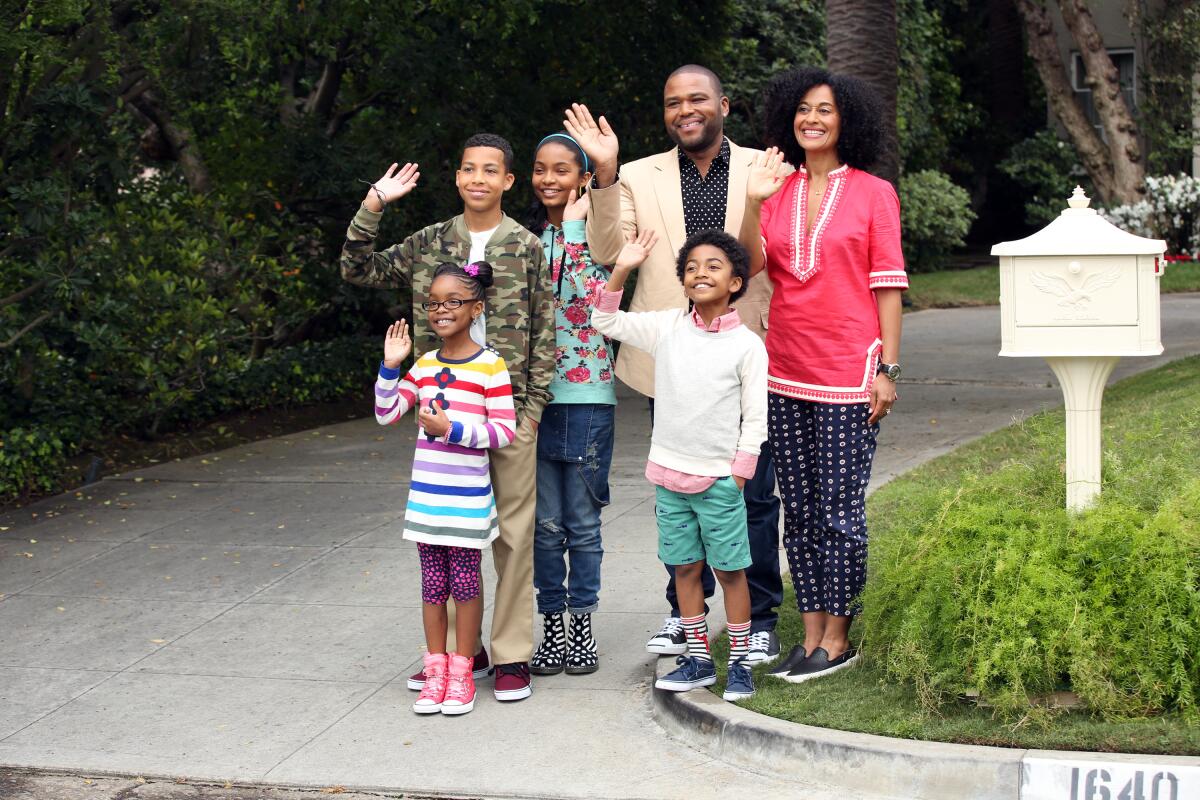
704 198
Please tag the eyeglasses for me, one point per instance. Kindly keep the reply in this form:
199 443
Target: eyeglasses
449 305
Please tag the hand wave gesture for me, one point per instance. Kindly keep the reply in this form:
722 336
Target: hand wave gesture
766 175
578 208
397 344
596 138
636 250
395 184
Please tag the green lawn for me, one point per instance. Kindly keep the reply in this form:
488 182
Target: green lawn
1151 448
980 286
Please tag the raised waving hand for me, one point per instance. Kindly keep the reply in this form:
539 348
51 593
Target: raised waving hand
636 250
597 139
397 344
766 175
395 183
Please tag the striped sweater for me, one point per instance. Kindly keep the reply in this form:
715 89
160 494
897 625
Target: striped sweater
450 499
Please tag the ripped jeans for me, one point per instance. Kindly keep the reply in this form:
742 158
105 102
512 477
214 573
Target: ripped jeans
575 445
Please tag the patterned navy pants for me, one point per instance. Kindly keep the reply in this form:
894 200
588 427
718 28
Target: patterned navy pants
822 456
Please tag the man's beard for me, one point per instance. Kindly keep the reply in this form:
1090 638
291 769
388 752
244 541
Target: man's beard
712 133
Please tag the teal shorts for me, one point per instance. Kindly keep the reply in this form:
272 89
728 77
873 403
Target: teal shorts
708 526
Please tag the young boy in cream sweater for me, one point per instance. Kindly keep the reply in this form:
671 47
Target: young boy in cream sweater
710 378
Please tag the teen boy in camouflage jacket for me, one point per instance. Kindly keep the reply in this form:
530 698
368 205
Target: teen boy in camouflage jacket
520 304
519 317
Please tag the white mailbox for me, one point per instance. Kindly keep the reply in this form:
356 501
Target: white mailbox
1080 293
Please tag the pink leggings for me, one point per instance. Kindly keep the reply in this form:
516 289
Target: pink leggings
448 571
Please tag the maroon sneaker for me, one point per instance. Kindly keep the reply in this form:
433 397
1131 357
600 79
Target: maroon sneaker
512 681
482 669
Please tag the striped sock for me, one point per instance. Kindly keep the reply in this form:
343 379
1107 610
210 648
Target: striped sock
696 630
739 640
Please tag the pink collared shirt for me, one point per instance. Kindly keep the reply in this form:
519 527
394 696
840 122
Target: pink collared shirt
744 464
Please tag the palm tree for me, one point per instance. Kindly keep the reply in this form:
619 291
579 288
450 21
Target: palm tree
860 40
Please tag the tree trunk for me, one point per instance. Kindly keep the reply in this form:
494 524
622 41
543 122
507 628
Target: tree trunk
179 138
1043 49
860 40
1129 171
1006 64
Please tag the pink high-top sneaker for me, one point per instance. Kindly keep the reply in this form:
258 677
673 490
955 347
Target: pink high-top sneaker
460 694
429 701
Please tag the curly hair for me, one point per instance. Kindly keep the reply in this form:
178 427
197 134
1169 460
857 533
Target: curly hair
492 140
477 282
861 136
727 244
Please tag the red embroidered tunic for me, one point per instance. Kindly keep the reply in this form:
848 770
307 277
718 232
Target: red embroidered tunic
823 339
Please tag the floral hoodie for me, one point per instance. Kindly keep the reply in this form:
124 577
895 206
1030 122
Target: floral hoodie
583 357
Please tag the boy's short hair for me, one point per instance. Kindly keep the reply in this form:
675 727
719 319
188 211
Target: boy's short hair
492 140
732 248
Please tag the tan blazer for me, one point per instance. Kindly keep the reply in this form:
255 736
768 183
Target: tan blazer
649 195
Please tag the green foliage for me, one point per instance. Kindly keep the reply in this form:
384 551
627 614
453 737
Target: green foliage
981 582
1172 47
935 216
931 112
766 38
31 459
1047 170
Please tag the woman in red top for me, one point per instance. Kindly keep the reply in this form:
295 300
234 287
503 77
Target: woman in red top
829 237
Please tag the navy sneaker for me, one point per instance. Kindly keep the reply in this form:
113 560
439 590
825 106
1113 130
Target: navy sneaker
740 685
692 673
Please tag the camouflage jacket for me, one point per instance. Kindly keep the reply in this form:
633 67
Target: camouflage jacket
520 304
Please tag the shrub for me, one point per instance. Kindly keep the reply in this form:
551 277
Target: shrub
935 215
1170 211
992 588
1046 168
32 459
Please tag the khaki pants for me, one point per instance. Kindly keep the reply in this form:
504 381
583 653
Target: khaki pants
514 483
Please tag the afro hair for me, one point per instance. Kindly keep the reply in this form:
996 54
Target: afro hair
861 136
730 246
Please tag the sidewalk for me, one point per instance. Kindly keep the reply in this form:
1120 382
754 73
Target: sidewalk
251 615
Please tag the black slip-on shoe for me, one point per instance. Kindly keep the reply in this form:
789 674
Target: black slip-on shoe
818 665
794 659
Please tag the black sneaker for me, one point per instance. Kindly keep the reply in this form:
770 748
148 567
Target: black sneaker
764 648
482 668
818 665
670 639
793 660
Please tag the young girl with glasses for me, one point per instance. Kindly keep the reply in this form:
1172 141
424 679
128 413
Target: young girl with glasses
465 403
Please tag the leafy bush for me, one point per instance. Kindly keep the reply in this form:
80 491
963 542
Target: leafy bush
31 459
32 456
1047 169
1170 211
991 587
935 215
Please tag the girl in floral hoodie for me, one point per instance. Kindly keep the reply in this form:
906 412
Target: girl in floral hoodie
575 437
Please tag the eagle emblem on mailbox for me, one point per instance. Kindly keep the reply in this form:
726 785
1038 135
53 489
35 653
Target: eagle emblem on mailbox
1076 299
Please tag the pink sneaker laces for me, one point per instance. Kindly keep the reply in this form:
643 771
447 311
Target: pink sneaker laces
435 686
460 688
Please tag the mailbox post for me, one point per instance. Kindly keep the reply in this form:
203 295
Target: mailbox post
1080 293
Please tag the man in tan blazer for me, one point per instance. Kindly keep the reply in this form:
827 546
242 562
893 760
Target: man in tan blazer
700 183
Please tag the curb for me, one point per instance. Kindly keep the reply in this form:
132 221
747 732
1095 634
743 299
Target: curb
911 769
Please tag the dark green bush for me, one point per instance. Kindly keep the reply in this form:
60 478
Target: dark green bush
990 587
935 215
1047 170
